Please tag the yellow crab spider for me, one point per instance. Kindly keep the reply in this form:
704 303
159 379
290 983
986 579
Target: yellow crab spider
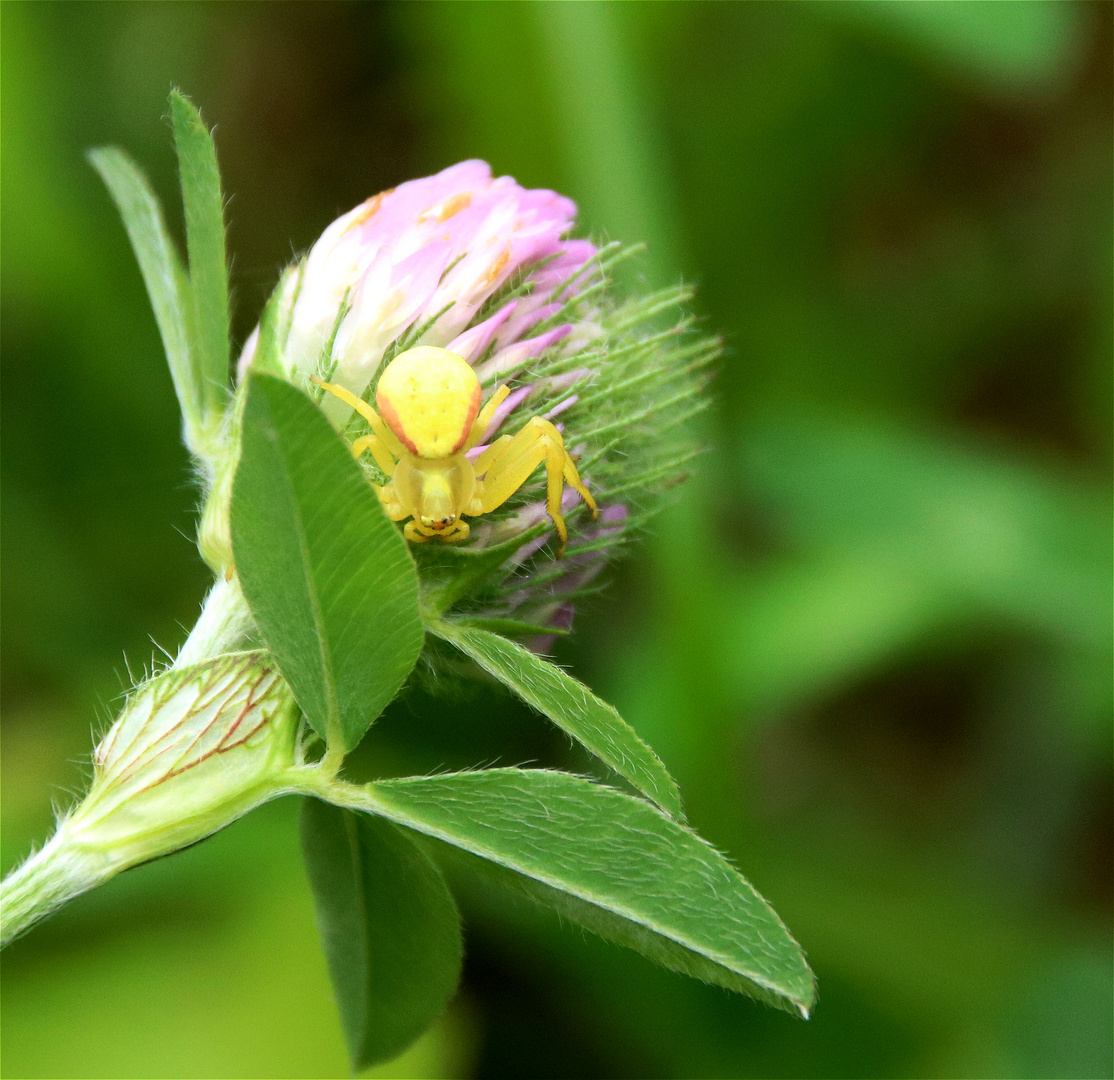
429 418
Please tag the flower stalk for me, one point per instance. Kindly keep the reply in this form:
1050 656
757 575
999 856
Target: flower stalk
46 880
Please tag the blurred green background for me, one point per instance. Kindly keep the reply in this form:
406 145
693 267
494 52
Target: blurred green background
871 636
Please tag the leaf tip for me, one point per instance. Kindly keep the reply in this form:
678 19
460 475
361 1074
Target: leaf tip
97 156
673 806
183 111
806 1002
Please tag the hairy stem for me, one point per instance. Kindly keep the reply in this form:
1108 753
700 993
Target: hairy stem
69 865
222 626
50 877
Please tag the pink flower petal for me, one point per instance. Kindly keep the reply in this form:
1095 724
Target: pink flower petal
473 343
561 406
515 356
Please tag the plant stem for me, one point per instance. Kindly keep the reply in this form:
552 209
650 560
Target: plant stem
221 627
50 877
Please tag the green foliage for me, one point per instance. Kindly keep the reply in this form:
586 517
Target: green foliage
272 328
389 926
208 269
190 305
879 240
961 519
571 706
326 575
632 873
1026 47
166 280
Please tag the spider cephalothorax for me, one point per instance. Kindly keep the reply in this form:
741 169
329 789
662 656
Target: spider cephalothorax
429 399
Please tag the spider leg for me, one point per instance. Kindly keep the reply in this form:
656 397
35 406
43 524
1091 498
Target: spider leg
420 534
378 451
490 457
483 419
386 436
414 533
459 531
514 459
388 497
384 447
573 477
555 457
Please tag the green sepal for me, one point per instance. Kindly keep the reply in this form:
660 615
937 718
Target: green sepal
511 627
451 572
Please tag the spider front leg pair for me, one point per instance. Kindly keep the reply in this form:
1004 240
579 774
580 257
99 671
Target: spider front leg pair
431 417
508 463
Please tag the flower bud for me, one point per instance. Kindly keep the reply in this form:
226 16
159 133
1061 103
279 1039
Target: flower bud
193 750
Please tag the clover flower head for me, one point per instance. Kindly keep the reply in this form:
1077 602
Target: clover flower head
486 269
